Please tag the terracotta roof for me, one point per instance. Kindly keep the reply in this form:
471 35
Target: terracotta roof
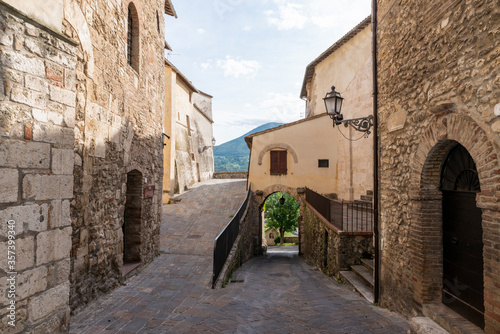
310 68
169 8
248 139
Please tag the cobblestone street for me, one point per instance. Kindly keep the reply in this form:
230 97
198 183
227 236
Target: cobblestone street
277 292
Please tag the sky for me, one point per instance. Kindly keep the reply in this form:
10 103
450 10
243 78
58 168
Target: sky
251 55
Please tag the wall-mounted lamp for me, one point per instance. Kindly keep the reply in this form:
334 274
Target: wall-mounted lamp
282 199
163 135
201 150
333 103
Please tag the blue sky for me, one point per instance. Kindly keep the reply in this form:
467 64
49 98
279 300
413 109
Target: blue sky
251 55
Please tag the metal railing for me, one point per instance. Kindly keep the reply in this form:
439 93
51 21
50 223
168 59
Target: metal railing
346 216
225 240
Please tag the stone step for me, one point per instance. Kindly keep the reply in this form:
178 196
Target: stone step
424 325
368 265
366 198
364 274
349 278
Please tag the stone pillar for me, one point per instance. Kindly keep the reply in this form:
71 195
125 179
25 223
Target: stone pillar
37 112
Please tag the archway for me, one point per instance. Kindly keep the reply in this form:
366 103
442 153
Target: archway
292 195
132 219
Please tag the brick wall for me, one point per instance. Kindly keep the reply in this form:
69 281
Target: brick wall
36 172
438 85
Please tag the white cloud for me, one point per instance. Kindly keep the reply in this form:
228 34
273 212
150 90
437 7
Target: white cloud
201 31
235 67
289 16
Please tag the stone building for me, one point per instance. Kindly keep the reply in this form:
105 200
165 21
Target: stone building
81 111
188 153
439 108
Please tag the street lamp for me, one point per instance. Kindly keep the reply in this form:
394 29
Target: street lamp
333 103
282 199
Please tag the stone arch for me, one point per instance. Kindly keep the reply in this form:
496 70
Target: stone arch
300 198
74 15
280 146
426 199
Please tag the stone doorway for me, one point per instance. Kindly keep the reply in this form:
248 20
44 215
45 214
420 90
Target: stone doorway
132 222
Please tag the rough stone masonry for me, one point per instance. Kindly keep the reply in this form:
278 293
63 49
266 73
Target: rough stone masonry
80 140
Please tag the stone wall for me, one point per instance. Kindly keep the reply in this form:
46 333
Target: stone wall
118 127
342 249
439 84
231 175
37 118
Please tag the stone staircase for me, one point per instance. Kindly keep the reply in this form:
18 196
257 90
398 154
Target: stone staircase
360 277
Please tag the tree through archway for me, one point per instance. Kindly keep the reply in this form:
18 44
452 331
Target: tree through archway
281 214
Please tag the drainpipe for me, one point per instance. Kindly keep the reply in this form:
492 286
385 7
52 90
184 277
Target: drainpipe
376 231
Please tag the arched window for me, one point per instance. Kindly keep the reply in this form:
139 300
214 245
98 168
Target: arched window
133 37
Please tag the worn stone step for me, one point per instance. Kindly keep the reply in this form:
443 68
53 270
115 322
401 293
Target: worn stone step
449 320
364 274
424 325
366 198
368 265
349 278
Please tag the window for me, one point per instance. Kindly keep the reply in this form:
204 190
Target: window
323 163
278 162
271 236
133 37
188 123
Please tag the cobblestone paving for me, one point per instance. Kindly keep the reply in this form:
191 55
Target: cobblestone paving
276 293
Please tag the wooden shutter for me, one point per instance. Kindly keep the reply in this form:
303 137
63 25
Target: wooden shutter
282 162
278 162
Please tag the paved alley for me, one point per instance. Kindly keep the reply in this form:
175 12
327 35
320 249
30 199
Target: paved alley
277 292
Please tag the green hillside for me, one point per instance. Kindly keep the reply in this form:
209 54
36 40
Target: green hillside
232 156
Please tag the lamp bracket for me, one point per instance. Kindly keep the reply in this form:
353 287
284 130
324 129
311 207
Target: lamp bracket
361 124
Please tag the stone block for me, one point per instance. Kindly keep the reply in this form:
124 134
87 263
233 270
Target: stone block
48 302
47 116
54 134
24 253
62 161
69 79
53 245
34 47
59 214
42 187
53 71
58 273
24 154
31 282
9 188
20 62
63 96
69 116
27 218
28 97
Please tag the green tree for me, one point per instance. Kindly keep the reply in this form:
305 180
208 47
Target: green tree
283 217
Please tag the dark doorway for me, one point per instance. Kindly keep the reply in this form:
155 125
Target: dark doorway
462 237
132 218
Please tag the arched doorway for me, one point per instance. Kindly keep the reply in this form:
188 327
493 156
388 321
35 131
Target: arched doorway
463 282
132 218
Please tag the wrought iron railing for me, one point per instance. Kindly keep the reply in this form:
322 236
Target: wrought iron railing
225 240
346 216
319 202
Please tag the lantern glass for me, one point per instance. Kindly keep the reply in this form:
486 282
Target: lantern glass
333 102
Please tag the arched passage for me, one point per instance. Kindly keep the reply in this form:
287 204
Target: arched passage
261 199
132 218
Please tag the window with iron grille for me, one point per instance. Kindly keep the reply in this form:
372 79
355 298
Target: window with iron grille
278 162
129 37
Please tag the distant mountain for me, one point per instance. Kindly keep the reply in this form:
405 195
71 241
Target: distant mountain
232 156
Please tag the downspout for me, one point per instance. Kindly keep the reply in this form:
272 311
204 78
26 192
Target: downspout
376 227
